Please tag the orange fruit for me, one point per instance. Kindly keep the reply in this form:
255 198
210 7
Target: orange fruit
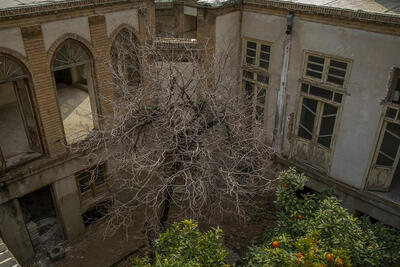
299 217
339 263
299 255
284 185
329 257
275 244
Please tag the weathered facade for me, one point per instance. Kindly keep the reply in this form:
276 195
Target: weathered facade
53 66
323 77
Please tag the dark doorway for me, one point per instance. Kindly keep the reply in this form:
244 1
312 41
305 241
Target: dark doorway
41 219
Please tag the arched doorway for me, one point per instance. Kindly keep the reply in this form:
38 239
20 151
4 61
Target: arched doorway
72 73
124 59
19 132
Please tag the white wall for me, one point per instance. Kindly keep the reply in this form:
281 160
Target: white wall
53 30
113 20
13 40
373 56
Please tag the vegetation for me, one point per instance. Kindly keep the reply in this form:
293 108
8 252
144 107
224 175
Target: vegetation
314 230
185 245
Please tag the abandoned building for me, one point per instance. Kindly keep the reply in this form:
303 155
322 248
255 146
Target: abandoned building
325 76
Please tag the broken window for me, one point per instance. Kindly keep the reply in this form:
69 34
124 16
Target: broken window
19 132
385 168
321 97
124 59
72 72
255 76
326 69
394 90
91 182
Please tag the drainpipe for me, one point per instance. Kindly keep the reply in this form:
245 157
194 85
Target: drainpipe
281 107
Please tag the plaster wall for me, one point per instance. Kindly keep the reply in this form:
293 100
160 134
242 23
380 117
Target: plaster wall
53 30
373 56
227 42
129 17
13 41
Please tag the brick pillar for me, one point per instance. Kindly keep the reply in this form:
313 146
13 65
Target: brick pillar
98 34
44 91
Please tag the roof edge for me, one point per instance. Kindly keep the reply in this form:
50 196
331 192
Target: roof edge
329 11
55 7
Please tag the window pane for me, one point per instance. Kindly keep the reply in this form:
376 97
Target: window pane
304 88
390 145
250 60
265 48
338 64
264 64
329 110
337 72
249 91
307 118
262 78
251 53
261 96
259 113
391 113
315 67
84 181
248 74
325 141
384 161
315 59
335 80
264 56
251 45
314 74
99 175
338 98
394 128
327 94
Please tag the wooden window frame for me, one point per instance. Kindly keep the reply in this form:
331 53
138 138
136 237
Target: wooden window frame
259 74
94 191
326 67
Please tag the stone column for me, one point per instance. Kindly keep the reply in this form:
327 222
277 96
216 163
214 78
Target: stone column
14 232
66 197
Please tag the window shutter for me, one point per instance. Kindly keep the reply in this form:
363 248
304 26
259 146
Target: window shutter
28 116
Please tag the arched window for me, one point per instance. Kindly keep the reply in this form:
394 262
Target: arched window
19 134
124 51
72 72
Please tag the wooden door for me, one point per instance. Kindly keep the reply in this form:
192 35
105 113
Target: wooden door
386 158
28 115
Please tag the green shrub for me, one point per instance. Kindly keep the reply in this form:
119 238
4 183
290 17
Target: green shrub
185 245
320 216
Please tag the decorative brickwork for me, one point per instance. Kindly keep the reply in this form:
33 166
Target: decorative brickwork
101 48
44 92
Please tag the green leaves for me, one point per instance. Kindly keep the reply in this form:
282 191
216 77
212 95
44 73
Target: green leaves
320 215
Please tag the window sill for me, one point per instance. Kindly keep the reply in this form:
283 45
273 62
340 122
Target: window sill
21 159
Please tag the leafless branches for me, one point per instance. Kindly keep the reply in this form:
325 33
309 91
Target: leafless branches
179 137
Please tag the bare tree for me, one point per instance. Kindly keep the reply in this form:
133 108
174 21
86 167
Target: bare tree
180 136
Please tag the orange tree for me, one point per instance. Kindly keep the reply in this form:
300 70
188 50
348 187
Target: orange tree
183 245
315 230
